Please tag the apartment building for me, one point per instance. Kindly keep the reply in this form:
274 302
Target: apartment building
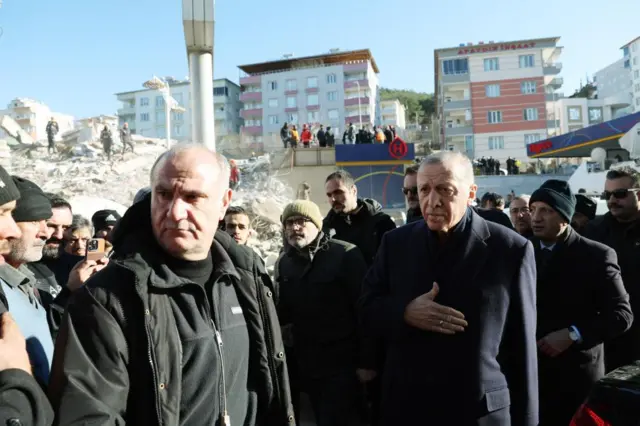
144 110
332 89
32 116
577 113
495 98
631 55
613 84
393 113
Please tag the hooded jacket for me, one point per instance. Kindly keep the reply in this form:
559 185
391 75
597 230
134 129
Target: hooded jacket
364 228
119 351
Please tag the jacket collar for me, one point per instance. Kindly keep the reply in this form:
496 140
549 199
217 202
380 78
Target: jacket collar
16 277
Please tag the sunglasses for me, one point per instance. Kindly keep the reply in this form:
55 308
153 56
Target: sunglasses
618 194
407 191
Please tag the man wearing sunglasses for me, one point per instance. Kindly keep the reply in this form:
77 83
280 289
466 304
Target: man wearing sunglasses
620 230
410 191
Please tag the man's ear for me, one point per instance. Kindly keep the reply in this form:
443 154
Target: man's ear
226 202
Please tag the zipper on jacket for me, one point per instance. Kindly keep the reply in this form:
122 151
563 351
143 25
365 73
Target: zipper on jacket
151 355
222 388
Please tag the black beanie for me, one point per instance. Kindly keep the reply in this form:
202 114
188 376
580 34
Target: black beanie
8 190
586 206
33 204
104 218
558 195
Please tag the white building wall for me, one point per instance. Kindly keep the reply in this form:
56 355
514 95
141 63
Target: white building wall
577 113
634 58
509 64
514 144
33 116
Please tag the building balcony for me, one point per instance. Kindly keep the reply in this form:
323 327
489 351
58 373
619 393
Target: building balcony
127 111
353 84
251 96
291 109
254 112
457 104
251 80
619 100
359 67
313 107
553 96
355 101
454 78
556 83
252 130
291 92
355 119
311 90
219 115
458 130
552 68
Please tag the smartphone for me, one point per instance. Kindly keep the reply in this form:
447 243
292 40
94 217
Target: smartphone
96 249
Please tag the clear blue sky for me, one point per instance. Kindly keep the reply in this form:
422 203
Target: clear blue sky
75 54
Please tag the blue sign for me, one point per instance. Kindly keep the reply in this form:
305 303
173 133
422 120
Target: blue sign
372 153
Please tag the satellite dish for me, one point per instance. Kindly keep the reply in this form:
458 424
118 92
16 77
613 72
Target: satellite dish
598 154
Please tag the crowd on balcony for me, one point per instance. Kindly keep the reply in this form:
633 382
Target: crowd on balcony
292 137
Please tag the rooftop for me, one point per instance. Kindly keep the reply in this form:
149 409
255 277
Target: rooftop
631 42
172 83
492 43
325 59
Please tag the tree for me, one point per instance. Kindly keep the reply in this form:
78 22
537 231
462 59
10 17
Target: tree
417 104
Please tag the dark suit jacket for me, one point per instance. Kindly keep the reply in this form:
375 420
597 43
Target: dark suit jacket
580 285
486 375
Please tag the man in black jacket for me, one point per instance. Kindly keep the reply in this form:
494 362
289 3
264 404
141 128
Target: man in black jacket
319 281
581 304
410 191
22 401
180 328
620 230
357 221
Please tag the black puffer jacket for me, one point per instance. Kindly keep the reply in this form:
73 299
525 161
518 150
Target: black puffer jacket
119 354
364 229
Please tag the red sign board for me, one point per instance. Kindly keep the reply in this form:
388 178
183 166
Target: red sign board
398 148
481 48
538 147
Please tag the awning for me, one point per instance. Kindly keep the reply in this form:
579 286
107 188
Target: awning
581 142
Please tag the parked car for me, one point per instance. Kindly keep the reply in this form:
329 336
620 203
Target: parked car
614 400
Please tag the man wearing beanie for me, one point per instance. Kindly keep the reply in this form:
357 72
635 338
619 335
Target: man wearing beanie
103 223
582 303
319 283
585 212
21 397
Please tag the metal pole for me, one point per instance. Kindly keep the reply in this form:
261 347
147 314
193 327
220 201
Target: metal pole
201 75
167 113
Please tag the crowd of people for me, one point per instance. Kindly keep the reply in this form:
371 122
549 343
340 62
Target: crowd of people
459 317
291 137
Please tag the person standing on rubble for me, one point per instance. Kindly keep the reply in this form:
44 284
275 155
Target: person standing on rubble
52 130
107 141
125 138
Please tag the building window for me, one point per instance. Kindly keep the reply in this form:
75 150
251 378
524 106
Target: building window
273 103
312 100
333 114
494 117
455 66
160 116
144 116
527 61
332 79
332 96
159 101
492 90
496 142
292 102
177 130
252 123
177 116
293 118
530 114
531 138
575 113
312 82
221 91
637 101
291 84
313 116
144 101
273 85
273 119
636 74
635 60
528 87
595 115
491 64
637 87
634 47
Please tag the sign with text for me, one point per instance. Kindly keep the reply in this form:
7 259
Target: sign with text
482 48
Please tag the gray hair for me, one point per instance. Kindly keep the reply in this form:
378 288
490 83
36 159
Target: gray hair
458 164
182 147
522 197
80 222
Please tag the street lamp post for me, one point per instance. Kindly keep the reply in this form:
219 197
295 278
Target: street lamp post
170 104
359 104
198 21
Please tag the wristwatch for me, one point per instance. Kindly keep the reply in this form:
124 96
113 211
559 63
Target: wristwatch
574 335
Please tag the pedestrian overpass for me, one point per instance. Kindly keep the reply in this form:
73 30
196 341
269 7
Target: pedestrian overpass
580 143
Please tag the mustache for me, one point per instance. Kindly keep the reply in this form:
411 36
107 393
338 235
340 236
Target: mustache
180 226
613 204
53 240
